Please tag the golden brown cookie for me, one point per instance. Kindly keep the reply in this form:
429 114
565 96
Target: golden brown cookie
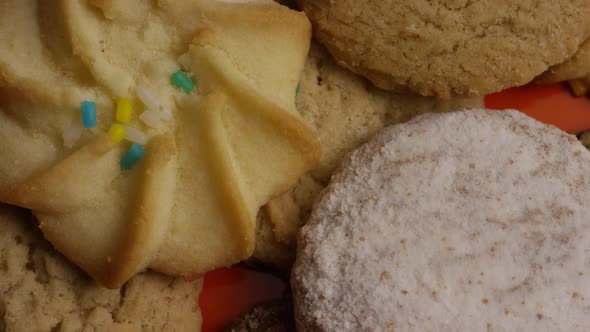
213 155
41 291
578 66
344 110
450 47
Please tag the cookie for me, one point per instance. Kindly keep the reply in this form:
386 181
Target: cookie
269 252
443 48
345 111
217 128
274 316
41 291
578 66
465 221
585 138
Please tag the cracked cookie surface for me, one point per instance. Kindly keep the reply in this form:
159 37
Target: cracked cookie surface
40 291
450 47
578 66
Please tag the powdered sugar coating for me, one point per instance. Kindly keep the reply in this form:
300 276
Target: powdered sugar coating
468 221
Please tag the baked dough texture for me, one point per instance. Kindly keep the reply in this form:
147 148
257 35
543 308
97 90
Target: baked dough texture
345 111
189 206
578 66
450 47
465 221
40 291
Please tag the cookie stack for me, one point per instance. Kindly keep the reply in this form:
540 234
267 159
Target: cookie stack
349 275
156 141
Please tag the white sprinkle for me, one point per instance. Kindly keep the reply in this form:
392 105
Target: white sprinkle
150 118
135 136
72 134
166 113
148 98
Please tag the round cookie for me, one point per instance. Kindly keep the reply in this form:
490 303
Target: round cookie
450 47
466 221
42 291
332 101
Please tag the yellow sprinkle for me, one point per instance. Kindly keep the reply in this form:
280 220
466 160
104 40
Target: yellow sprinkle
117 133
124 110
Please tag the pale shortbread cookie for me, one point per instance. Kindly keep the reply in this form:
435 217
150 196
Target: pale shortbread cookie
40 291
190 205
578 66
466 221
450 47
345 111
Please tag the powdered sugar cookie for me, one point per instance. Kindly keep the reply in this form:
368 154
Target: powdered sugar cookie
467 221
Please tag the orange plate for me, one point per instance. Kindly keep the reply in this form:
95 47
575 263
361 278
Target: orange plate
552 104
229 292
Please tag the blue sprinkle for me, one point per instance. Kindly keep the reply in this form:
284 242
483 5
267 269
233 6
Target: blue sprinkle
88 110
297 88
132 157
